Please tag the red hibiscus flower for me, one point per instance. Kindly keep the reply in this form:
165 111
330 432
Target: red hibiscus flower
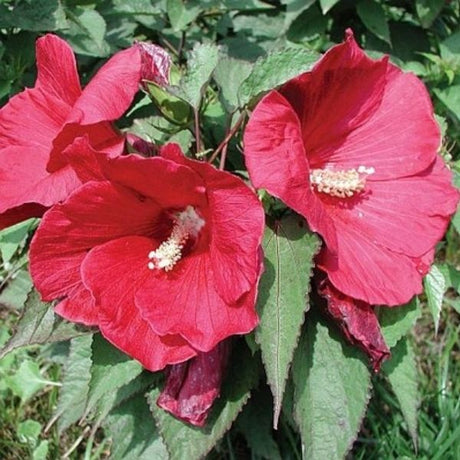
38 124
163 254
352 146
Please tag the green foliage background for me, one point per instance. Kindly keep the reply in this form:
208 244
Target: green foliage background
261 44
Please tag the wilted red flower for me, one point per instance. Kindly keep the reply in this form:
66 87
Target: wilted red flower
191 387
357 321
163 254
38 124
352 147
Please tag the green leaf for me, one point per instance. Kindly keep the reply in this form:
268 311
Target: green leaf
275 69
87 32
185 441
14 294
401 370
435 288
331 392
254 424
283 298
27 381
450 97
229 74
173 108
373 16
202 61
74 391
182 13
12 238
36 15
395 322
294 8
133 432
38 324
326 5
428 11
110 370
41 451
29 431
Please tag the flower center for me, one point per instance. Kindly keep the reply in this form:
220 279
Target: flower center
341 184
187 224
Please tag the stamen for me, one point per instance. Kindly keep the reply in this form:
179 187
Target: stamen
341 184
187 224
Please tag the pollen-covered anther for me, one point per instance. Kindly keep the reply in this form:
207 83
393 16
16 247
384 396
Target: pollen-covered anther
187 224
341 184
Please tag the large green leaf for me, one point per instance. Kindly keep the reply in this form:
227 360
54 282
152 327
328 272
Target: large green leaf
12 238
275 69
331 392
428 10
133 432
14 294
38 325
396 322
401 370
185 441
435 288
110 370
450 97
181 13
283 298
36 15
229 75
87 32
202 61
326 5
294 8
254 423
373 16
77 375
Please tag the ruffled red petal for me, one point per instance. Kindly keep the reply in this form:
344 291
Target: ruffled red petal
113 272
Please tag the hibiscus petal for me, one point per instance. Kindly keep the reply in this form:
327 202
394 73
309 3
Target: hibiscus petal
276 160
358 322
23 181
93 214
237 222
20 213
32 119
184 301
79 305
111 91
394 215
57 69
369 272
113 272
192 387
340 93
400 139
183 187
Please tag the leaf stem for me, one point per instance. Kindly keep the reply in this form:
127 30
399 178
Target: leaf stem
223 145
197 130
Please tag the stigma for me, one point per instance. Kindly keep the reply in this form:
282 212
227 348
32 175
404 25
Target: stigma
340 184
187 224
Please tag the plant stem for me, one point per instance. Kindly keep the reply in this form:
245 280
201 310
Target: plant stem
197 130
231 133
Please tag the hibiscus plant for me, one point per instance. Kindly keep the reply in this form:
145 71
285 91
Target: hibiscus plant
224 237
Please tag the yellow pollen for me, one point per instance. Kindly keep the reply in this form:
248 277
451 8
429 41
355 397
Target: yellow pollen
186 223
341 184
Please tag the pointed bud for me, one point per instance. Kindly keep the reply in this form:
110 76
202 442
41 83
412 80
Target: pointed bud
156 63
